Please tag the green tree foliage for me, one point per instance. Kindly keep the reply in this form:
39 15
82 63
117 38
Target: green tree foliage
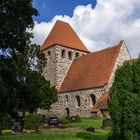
124 102
136 68
15 19
31 122
21 72
4 121
7 87
49 95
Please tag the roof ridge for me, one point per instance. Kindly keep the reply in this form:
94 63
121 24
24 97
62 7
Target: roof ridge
105 49
117 45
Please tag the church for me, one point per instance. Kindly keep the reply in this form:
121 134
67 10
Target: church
83 78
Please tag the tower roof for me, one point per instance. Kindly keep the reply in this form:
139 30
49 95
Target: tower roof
63 34
91 71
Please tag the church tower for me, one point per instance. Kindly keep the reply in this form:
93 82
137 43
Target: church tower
61 47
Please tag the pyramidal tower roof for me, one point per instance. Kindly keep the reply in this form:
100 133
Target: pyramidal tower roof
62 34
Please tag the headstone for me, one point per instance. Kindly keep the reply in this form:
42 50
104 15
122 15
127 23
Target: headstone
73 119
53 121
91 129
42 118
17 124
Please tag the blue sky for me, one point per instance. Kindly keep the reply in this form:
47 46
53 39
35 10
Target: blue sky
50 8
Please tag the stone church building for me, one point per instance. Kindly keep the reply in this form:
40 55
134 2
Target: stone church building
83 78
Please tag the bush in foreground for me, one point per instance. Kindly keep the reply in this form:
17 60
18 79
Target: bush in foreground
4 121
64 121
31 122
124 102
93 136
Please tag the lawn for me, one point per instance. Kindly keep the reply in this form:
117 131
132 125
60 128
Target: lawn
88 122
69 134
47 136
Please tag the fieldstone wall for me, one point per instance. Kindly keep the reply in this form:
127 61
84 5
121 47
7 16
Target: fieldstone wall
68 100
49 71
58 61
64 62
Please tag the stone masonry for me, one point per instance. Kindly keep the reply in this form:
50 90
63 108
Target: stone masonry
56 70
58 61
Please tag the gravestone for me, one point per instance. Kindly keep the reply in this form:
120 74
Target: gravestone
91 129
17 124
73 119
52 121
42 118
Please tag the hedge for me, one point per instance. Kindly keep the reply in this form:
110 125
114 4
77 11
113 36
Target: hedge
93 136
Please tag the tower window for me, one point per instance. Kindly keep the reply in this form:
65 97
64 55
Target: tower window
49 53
77 54
63 53
78 103
70 55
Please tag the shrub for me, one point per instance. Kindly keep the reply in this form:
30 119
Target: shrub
7 132
67 117
64 121
92 136
4 121
78 119
75 118
31 122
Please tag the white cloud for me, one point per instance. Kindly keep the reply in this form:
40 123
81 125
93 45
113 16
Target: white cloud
101 27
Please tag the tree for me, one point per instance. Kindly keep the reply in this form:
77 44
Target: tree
30 81
21 63
124 103
136 68
49 94
7 90
15 19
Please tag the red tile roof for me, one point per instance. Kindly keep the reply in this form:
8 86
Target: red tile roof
62 34
101 103
91 71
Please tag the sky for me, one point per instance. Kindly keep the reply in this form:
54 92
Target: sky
99 24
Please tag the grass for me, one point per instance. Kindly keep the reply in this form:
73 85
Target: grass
62 134
88 122
47 136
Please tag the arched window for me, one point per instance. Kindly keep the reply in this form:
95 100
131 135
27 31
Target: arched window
63 53
67 111
67 99
78 103
49 53
69 54
77 54
92 99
